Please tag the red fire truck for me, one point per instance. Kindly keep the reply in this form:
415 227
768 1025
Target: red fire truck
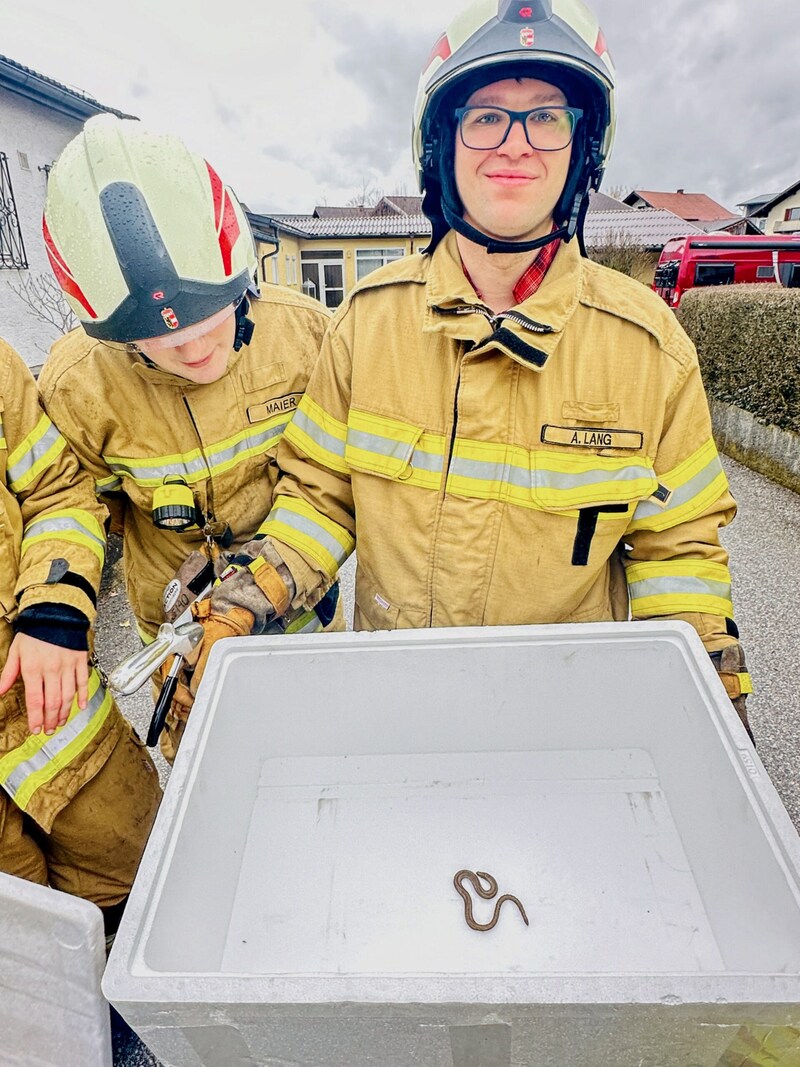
725 259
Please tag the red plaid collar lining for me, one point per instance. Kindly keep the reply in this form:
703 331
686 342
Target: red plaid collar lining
533 276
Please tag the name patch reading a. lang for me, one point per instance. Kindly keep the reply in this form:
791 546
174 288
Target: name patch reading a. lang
280 405
591 437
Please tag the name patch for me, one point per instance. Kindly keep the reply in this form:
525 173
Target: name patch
591 437
279 406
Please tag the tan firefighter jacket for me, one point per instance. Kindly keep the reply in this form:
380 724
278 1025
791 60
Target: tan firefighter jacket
133 425
551 464
52 545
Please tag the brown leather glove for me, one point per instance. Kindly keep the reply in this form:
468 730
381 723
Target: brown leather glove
732 669
257 580
238 622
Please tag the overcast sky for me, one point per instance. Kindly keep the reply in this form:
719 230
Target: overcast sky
299 103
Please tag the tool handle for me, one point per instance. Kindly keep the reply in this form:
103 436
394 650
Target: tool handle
163 703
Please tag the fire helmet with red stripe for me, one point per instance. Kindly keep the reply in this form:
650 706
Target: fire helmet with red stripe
556 41
143 236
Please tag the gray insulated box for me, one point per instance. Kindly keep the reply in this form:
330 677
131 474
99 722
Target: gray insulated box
297 904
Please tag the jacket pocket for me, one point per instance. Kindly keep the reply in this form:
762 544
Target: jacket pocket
568 479
381 446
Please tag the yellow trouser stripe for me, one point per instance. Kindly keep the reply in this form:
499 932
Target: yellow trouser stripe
40 758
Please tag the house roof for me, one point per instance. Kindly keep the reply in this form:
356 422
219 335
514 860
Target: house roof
19 79
354 225
649 228
755 202
603 202
693 207
790 190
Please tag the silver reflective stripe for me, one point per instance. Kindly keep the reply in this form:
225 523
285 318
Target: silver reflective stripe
683 494
381 446
484 471
37 451
683 586
187 468
427 461
321 437
310 529
55 744
55 526
543 479
108 485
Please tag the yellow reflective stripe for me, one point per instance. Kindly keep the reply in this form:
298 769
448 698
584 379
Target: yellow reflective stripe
318 435
68 524
41 757
307 622
107 485
695 485
144 636
34 454
192 466
302 527
563 480
491 471
671 587
2 434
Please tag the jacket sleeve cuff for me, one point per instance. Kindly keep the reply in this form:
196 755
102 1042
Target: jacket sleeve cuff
52 582
58 624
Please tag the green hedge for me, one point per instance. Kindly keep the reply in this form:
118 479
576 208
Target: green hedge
748 340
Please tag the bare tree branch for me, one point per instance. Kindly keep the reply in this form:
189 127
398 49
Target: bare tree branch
42 295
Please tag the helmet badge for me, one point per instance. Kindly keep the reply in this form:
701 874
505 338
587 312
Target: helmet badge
526 36
170 318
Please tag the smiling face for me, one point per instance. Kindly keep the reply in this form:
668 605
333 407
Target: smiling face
203 355
511 192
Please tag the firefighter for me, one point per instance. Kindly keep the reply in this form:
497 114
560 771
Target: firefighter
79 791
180 381
513 433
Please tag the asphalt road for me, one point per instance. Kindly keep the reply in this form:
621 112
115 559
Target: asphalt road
764 545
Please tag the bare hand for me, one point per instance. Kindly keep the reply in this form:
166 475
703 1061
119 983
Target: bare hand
52 677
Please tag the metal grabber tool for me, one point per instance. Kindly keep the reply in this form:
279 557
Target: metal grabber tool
130 675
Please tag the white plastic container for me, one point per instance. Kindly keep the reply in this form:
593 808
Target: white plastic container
296 904
52 955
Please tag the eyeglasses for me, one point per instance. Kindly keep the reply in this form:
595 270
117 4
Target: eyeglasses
547 129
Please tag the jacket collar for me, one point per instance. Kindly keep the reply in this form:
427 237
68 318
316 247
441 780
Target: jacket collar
528 333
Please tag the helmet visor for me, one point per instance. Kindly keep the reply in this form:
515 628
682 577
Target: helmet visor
189 333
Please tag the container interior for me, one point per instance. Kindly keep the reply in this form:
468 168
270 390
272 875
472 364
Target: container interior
338 785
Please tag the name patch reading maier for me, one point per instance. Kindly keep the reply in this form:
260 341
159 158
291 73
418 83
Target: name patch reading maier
591 437
278 406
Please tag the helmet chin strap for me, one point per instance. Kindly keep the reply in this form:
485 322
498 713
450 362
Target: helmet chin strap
492 244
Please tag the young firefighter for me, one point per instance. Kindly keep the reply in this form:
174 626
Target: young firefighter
79 791
178 386
512 433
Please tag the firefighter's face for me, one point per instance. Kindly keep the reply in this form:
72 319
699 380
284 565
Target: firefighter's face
510 192
202 359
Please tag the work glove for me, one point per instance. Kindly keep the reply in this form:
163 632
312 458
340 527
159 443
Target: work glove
732 669
257 580
235 622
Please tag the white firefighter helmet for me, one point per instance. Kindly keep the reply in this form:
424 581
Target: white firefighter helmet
143 236
557 41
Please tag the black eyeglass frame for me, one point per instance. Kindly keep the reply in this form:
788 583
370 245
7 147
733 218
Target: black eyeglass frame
522 118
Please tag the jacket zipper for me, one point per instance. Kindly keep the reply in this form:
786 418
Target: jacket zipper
496 320
445 476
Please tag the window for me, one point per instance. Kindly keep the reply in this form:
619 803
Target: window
23 160
323 276
792 214
274 263
369 259
765 273
12 249
714 274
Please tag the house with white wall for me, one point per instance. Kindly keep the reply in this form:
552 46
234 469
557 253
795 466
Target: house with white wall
38 116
